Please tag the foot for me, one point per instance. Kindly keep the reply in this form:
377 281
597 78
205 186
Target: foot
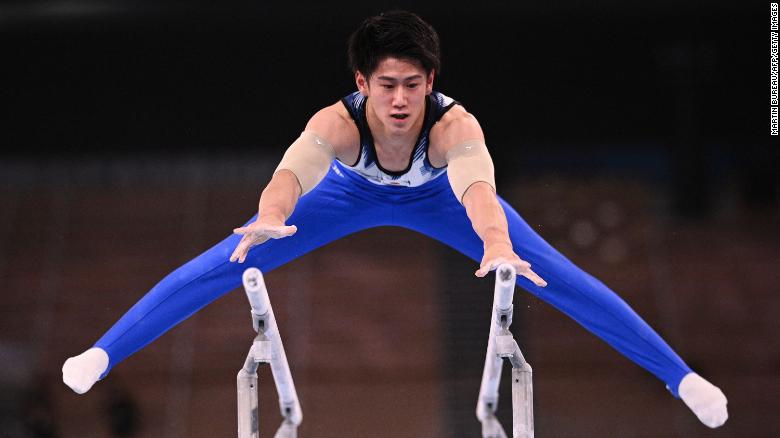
82 371
704 399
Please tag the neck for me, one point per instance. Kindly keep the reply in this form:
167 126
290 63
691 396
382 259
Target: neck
389 138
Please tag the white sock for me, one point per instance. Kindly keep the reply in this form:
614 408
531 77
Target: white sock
82 371
704 399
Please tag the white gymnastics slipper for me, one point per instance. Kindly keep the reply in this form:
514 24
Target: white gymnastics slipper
704 399
82 371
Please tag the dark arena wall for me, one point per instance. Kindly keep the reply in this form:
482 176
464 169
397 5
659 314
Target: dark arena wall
632 136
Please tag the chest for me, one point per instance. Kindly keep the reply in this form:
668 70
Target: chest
395 159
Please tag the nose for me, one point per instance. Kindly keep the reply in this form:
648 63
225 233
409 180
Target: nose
399 97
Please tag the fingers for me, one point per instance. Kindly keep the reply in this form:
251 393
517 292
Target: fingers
254 236
272 231
239 254
282 231
531 275
488 266
257 233
521 266
241 230
248 241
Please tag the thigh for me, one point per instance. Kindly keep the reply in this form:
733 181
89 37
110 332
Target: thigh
325 214
443 218
570 289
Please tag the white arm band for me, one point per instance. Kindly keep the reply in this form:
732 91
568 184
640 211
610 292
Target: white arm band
308 158
467 163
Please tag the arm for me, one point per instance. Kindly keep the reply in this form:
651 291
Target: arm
277 203
459 141
303 166
279 197
489 221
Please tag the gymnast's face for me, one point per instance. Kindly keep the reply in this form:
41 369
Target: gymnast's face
396 92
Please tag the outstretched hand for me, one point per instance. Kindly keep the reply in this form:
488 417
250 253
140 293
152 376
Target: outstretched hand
497 254
256 233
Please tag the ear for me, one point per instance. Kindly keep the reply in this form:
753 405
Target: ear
362 83
429 82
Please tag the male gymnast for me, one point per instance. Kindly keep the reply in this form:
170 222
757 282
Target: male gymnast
395 152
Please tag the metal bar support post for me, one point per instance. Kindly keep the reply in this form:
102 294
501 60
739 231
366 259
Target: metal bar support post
502 346
266 348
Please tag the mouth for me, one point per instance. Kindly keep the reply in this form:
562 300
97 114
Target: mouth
399 116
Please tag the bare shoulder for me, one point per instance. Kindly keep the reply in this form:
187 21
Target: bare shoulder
334 124
456 126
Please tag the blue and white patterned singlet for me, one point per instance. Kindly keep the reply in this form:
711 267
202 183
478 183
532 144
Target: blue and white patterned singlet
420 170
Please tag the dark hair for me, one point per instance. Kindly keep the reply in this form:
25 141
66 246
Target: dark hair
399 34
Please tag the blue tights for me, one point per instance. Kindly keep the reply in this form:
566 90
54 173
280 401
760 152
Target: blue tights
344 203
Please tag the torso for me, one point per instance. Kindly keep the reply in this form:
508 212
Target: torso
410 166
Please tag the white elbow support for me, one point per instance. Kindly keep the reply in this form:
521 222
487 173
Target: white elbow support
467 163
309 158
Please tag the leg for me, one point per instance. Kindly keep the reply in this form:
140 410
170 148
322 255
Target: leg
323 215
570 290
574 292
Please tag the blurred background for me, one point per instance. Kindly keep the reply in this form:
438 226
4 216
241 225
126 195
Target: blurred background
633 136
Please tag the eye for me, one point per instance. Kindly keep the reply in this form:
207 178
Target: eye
387 87
413 85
